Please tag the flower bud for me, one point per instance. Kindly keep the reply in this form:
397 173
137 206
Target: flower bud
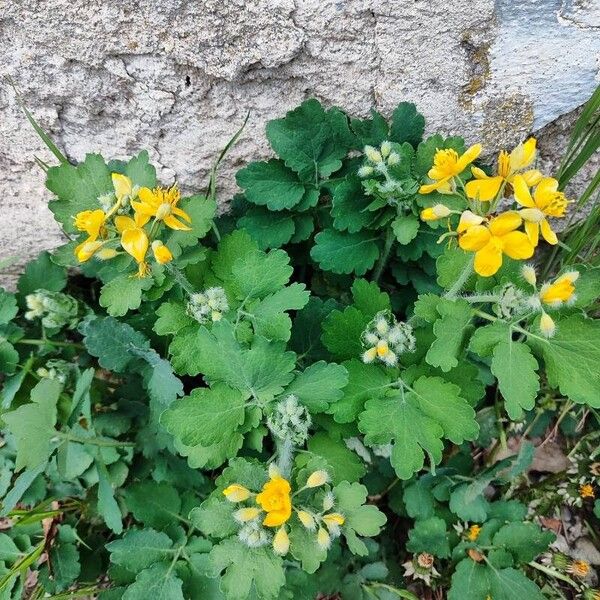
393 159
323 539
373 155
162 254
281 542
317 479
246 514
307 520
528 273
369 355
328 501
334 521
386 148
365 171
547 325
236 493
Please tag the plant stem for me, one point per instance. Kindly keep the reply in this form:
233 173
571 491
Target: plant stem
461 280
553 573
390 238
30 342
285 451
181 279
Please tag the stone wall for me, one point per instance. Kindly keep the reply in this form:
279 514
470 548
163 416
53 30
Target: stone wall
178 76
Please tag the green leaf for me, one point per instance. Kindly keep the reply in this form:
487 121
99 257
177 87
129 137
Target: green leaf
42 273
371 131
269 229
304 548
349 206
77 188
246 568
9 358
319 385
451 265
158 582
107 504
262 371
140 171
205 418
345 253
271 184
485 339
515 368
361 519
525 541
269 316
342 331
8 306
419 500
368 298
405 228
123 293
429 535
449 331
364 382
258 274
172 317
214 517
201 211
468 502
345 465
407 124
32 425
572 357
154 504
64 559
417 420
311 140
8 549
140 548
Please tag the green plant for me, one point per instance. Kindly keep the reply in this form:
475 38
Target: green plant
305 396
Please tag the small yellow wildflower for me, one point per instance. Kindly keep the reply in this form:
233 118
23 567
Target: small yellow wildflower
317 479
561 291
236 493
586 490
161 204
438 211
485 188
473 533
446 165
161 253
579 568
281 542
275 500
491 241
92 222
546 201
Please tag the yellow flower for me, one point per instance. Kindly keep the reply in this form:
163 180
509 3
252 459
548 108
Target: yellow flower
579 568
438 211
473 532
122 184
275 500
281 542
92 222
547 201
486 188
236 493
446 165
562 290
586 490
161 203
491 241
161 253
134 241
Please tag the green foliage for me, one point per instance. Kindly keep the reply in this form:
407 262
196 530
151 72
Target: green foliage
321 333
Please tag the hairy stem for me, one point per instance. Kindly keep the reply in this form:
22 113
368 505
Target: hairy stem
180 278
285 454
390 238
461 280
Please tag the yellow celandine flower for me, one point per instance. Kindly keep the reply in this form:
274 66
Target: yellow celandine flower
134 241
92 222
438 211
161 203
276 501
579 568
161 253
586 490
561 291
446 165
491 241
236 493
473 533
546 201
485 188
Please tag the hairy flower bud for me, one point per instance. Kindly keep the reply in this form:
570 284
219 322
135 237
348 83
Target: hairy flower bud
209 305
547 325
290 420
55 309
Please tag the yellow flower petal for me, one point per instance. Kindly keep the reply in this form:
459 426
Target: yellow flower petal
479 173
523 155
90 221
468 219
504 223
173 223
181 213
86 250
522 193
161 253
468 157
144 208
483 189
532 177
547 233
432 187
489 259
135 242
517 245
122 223
275 500
474 238
122 184
533 232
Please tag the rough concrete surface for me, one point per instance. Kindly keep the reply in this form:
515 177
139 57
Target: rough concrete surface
178 76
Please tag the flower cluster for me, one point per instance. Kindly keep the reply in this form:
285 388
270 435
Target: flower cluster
384 177
483 230
421 567
385 339
114 226
290 420
56 310
273 508
209 305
